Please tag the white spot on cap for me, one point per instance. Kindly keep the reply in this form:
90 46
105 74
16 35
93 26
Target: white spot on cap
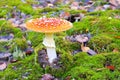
30 20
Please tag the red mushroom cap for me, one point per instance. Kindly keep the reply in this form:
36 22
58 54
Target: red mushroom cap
48 25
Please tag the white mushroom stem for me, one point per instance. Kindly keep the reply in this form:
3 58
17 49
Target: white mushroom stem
83 48
50 44
76 19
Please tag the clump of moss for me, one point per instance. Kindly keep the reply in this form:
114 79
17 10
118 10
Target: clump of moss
36 38
104 13
20 43
21 70
92 67
3 45
100 42
6 28
113 46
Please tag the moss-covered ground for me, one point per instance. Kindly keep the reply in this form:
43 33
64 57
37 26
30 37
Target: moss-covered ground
103 26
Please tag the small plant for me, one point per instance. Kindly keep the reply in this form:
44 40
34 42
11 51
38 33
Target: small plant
18 53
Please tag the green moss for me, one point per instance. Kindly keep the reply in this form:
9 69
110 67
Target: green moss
86 67
2 46
36 38
113 46
19 69
100 42
101 24
80 73
104 13
6 28
26 8
3 13
48 9
18 44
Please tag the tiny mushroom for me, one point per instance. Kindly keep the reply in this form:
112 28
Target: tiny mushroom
3 66
81 38
47 77
49 26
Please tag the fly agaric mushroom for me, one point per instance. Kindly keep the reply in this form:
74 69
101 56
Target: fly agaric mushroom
49 26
